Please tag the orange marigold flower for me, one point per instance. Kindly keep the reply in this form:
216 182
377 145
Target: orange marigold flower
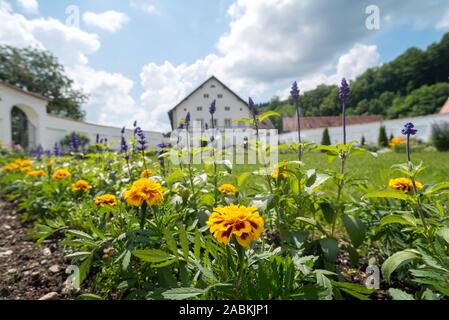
61 174
395 141
11 167
81 185
147 173
106 200
404 184
244 223
26 169
37 173
144 190
280 171
23 163
227 189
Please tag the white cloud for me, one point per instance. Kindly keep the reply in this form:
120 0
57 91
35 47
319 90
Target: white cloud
144 6
110 21
110 101
29 6
444 22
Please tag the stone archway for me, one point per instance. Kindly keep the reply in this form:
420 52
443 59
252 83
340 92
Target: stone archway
23 132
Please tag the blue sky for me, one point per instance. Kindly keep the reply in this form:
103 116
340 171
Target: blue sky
137 58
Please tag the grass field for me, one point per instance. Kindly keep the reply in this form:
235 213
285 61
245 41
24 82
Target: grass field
378 170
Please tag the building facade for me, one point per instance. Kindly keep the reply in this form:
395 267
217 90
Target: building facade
24 121
229 106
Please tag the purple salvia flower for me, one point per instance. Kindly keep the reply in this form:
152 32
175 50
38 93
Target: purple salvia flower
56 150
344 94
409 129
142 142
123 130
295 96
187 120
74 143
97 139
135 124
212 108
295 92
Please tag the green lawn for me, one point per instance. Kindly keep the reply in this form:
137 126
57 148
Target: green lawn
377 170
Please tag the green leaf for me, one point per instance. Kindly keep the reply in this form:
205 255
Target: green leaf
356 229
397 294
396 219
394 194
242 178
89 296
197 245
444 233
268 114
184 242
330 248
126 260
328 211
394 261
171 243
437 187
152 255
183 293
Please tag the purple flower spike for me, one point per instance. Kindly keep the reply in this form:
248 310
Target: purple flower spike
409 129
187 120
295 92
251 105
344 92
212 108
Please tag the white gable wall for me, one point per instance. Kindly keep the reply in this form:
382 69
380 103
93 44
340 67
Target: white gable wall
238 109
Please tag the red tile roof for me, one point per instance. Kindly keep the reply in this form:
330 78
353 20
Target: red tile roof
290 124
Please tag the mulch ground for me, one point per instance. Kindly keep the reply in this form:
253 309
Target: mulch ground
26 272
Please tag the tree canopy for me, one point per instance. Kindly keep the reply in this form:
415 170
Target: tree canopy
40 72
415 83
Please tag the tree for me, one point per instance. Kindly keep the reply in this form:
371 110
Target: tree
40 72
383 138
326 139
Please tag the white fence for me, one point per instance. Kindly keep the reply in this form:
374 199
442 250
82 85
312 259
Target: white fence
370 130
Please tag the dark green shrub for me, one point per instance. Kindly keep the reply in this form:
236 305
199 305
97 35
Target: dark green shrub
440 136
383 138
326 139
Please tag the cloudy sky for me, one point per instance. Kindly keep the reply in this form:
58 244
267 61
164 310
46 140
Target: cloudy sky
137 58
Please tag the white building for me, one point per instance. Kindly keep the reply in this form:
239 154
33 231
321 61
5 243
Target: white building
24 120
229 106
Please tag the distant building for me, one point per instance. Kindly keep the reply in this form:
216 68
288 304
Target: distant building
24 121
289 124
229 106
445 108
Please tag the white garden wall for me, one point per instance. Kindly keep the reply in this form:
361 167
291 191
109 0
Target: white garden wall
370 130
50 129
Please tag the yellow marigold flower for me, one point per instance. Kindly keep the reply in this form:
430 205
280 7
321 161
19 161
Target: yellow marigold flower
147 173
23 163
106 200
227 189
26 169
37 173
244 223
11 167
280 171
404 184
61 174
81 185
144 190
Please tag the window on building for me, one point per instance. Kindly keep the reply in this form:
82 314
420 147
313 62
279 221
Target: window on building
220 96
185 109
212 85
227 108
206 95
199 108
242 124
227 123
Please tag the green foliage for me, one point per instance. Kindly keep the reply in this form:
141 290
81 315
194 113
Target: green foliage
440 136
326 139
383 138
40 72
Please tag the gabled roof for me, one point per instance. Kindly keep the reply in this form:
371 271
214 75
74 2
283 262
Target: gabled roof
170 112
21 90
